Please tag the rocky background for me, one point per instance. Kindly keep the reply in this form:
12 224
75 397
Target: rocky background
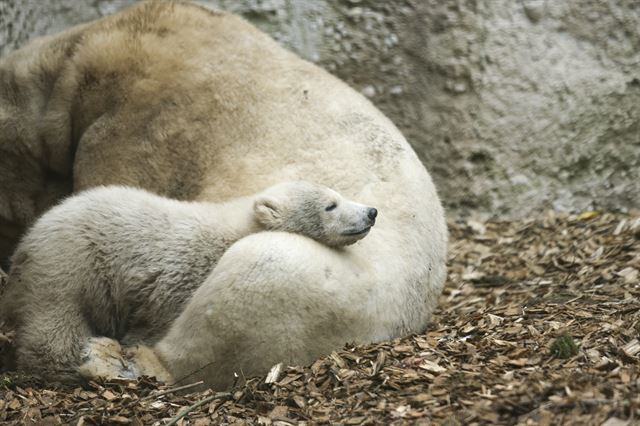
514 106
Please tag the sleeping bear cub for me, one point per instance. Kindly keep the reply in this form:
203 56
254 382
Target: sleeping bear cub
121 263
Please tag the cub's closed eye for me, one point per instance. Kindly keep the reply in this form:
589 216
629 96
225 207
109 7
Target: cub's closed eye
331 207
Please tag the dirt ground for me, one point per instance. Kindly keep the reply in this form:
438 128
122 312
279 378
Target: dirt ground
539 324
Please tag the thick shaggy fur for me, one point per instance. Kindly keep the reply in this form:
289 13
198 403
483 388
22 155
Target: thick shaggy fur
200 105
122 262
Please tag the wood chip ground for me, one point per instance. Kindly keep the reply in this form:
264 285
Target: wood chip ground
539 324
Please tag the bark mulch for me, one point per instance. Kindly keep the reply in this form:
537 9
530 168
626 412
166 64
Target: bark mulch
539 324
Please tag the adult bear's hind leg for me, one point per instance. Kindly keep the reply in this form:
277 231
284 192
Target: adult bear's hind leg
273 297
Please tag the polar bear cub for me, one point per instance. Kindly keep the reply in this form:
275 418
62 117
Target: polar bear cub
121 262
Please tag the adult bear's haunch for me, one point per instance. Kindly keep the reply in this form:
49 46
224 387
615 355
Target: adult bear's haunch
199 105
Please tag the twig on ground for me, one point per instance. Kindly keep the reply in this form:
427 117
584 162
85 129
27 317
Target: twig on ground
194 372
193 407
159 394
168 391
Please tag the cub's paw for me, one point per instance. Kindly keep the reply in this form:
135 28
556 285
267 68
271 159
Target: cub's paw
146 363
102 357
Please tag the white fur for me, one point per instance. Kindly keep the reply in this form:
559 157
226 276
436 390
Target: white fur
121 263
202 105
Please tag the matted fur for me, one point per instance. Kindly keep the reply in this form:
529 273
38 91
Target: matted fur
200 105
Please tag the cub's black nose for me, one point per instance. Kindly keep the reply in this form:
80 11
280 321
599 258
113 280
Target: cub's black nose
372 213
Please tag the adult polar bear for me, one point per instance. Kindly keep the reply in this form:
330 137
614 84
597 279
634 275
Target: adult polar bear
198 104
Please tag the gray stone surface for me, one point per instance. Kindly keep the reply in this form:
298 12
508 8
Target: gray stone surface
513 105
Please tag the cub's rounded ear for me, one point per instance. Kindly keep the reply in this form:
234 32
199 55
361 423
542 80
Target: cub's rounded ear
267 210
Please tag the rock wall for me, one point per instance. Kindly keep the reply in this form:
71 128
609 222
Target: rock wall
514 106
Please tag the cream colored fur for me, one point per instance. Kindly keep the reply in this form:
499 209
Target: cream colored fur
200 105
122 263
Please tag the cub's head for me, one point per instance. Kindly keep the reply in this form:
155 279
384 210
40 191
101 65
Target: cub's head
315 211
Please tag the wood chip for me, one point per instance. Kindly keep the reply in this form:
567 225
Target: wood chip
632 348
274 373
513 288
